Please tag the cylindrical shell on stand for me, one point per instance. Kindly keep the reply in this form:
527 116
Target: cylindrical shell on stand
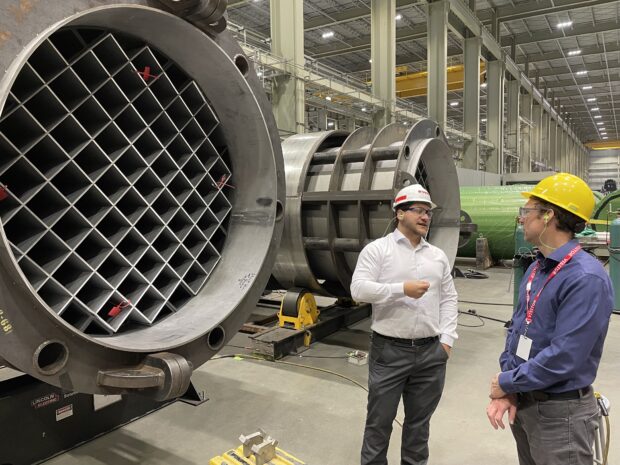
135 237
340 189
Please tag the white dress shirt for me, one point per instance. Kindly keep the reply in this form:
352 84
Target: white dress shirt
383 267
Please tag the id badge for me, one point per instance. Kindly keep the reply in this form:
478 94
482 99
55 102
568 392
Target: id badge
524 348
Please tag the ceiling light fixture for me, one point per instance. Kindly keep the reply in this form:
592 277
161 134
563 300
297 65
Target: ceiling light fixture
328 98
483 85
398 17
597 117
594 109
605 137
564 24
454 104
572 53
600 123
328 34
484 120
581 73
592 99
586 87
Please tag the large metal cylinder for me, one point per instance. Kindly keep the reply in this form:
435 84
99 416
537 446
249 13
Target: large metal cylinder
135 239
494 209
340 189
614 258
605 210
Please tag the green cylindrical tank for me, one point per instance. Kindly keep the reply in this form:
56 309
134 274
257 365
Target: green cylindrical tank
605 208
522 259
614 258
494 209
598 195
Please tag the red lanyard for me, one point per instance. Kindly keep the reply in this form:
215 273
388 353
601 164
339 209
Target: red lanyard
530 309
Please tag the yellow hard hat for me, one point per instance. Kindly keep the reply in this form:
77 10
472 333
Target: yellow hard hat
567 191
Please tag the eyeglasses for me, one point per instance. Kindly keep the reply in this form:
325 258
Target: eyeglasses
524 211
421 211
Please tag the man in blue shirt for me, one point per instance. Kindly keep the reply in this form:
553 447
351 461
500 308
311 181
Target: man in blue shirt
555 341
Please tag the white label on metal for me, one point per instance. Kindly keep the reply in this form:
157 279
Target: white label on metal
64 412
101 400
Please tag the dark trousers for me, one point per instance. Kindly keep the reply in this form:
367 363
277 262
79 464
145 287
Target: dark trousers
417 373
556 432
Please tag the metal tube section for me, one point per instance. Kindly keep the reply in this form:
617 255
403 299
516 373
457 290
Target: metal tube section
340 189
351 156
128 200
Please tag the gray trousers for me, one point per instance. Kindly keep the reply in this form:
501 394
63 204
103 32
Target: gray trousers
556 432
417 373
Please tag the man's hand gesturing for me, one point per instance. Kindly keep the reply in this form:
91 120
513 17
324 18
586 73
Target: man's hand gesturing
416 289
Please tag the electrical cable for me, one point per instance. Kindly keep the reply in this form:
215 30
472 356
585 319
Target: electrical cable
484 303
473 274
474 313
607 440
309 367
472 326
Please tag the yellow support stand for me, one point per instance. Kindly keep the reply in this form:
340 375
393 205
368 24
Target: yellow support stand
256 449
235 457
299 309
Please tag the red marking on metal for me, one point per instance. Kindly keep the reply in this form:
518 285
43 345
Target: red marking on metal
146 74
222 182
116 310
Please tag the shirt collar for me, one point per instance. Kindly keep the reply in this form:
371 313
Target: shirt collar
558 254
561 252
399 236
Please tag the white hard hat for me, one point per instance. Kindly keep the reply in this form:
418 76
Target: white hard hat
412 193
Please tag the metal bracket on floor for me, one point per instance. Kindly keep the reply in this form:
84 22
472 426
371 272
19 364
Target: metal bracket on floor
194 396
256 449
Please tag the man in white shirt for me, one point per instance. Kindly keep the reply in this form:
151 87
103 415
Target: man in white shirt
414 315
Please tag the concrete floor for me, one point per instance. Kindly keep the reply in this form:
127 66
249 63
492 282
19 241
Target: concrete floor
319 417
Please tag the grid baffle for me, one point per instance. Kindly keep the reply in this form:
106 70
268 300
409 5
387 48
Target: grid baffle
117 178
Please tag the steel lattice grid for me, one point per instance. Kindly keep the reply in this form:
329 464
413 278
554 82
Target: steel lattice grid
117 194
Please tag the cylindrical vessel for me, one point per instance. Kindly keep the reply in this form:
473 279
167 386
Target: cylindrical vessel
494 210
614 258
598 195
135 239
605 210
340 189
523 257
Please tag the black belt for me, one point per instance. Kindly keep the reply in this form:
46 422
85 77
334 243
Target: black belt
409 342
542 396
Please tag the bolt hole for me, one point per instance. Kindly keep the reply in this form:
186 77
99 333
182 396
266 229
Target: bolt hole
437 131
407 152
51 357
242 64
215 339
279 210
406 182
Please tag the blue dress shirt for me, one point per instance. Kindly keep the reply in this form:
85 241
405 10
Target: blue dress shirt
568 328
